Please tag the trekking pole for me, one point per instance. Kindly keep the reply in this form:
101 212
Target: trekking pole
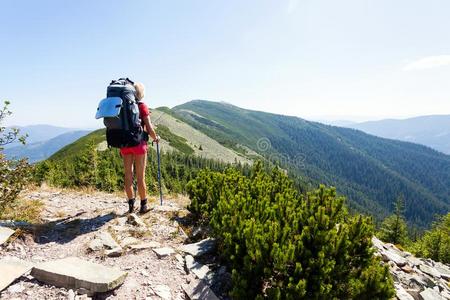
159 173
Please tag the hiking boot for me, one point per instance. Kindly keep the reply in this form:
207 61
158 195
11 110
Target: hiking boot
144 207
131 205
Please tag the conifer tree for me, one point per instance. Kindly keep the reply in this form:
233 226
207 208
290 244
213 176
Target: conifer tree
435 243
393 228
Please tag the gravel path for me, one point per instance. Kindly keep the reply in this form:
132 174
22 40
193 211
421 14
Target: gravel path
71 220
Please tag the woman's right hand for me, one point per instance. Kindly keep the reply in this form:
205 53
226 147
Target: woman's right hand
156 139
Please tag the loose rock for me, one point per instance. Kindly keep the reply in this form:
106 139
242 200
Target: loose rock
163 291
133 219
197 268
429 270
12 268
5 234
163 252
430 294
198 249
198 290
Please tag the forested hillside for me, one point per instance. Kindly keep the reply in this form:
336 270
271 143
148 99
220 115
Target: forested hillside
370 171
88 163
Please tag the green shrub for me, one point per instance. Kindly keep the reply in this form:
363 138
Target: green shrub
281 244
435 243
14 174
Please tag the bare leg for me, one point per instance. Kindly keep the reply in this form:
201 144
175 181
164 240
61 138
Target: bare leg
128 165
141 162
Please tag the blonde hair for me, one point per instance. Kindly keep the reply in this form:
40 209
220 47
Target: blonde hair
140 90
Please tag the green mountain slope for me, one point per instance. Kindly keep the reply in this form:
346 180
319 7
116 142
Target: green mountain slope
370 171
176 135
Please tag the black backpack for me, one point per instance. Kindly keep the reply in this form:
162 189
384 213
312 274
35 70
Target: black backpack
120 113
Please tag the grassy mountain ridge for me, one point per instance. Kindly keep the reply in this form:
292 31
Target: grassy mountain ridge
370 171
175 135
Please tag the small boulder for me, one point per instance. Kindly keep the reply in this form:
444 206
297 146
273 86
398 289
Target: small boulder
128 241
145 245
407 269
430 294
198 290
443 270
198 249
5 234
115 252
133 219
163 291
389 255
103 240
429 270
12 268
163 252
107 240
401 293
197 268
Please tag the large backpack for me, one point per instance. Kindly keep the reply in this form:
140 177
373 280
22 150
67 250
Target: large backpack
120 113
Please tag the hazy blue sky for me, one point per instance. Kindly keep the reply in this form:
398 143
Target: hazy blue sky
348 59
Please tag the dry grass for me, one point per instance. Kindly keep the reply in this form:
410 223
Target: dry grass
23 210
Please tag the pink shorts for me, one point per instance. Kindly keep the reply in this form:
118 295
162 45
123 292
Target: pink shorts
136 150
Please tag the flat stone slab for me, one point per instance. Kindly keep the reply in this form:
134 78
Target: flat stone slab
430 294
199 290
389 255
74 273
12 268
429 270
5 233
401 293
197 268
144 245
198 249
162 252
443 271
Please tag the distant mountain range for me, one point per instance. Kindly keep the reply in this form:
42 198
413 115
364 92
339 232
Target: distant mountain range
42 141
41 132
432 131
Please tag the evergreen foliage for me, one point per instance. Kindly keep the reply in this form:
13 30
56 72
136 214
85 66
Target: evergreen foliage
394 229
86 166
370 171
14 174
435 243
281 244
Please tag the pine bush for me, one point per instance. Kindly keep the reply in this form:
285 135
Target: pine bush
280 244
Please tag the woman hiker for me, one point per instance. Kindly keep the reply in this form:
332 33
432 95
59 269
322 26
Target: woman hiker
136 157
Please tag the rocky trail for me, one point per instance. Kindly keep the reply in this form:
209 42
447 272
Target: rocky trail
87 246
414 278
